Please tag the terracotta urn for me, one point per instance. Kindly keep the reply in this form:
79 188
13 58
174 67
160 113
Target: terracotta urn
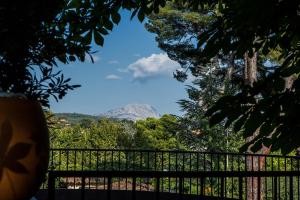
24 148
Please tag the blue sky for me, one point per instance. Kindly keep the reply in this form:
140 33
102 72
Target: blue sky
130 68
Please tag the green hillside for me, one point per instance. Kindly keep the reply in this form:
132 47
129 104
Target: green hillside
75 118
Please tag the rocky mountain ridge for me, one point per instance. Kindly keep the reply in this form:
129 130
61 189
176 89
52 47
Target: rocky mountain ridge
132 112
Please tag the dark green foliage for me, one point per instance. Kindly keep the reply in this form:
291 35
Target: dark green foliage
151 133
269 106
177 28
36 36
196 130
271 28
158 134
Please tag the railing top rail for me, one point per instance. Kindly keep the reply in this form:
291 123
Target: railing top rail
173 174
174 151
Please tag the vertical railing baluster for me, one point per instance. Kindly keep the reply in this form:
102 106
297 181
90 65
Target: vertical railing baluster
222 188
239 162
169 179
148 161
90 166
119 168
52 161
278 169
162 169
258 187
183 166
197 169
141 168
265 178
82 161
272 169
133 160
285 179
133 197
67 160
119 160
190 171
204 162
225 179
59 160
298 178
241 188
74 166
247 178
180 188
75 159
126 160
291 188
275 188
104 161
176 168
90 159
97 167
157 191
141 161
51 185
155 160
211 178
112 160
109 187
202 186
82 188
232 188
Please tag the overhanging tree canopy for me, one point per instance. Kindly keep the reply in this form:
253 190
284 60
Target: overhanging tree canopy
39 34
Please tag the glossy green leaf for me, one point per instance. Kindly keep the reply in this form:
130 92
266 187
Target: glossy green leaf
217 118
99 40
116 17
141 15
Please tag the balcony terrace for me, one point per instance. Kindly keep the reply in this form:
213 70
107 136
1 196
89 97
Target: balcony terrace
145 174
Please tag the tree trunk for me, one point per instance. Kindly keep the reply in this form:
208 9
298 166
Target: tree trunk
288 82
250 74
255 186
250 71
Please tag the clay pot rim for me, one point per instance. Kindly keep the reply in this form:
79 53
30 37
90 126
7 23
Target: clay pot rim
17 98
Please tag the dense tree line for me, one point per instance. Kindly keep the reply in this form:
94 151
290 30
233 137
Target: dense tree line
165 133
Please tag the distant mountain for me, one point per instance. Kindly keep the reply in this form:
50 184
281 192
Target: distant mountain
132 112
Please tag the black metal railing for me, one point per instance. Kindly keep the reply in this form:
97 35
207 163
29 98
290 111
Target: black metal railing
176 172
151 160
291 190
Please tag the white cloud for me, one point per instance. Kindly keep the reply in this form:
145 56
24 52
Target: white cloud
156 65
137 55
112 77
113 62
122 70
